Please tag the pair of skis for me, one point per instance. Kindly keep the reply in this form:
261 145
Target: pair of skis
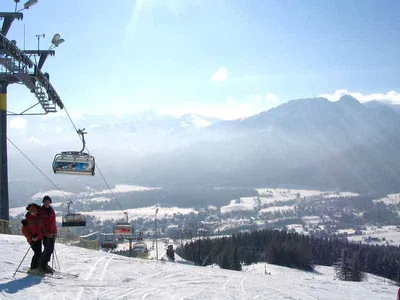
56 274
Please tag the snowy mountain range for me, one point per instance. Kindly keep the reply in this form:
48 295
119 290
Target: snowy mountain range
310 143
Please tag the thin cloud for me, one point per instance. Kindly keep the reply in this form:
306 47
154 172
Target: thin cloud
35 140
390 97
232 109
220 75
18 123
272 98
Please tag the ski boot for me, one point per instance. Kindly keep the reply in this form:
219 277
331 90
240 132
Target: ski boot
35 271
45 270
49 269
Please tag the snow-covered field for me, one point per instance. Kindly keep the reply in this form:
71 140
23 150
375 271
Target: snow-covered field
264 203
108 276
268 196
143 212
134 213
390 199
126 188
273 209
287 194
242 204
21 210
390 234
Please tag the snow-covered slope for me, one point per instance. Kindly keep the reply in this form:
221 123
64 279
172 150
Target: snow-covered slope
108 276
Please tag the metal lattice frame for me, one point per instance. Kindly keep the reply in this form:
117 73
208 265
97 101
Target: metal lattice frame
17 67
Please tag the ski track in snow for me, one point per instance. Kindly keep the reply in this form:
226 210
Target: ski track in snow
223 287
103 273
107 276
242 287
89 276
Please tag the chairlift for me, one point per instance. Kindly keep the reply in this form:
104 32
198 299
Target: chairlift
140 247
109 242
73 219
74 162
123 228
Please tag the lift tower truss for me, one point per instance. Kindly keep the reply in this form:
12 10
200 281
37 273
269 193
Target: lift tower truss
19 66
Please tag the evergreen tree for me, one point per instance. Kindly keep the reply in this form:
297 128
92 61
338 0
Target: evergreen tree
225 264
343 267
298 251
356 267
236 261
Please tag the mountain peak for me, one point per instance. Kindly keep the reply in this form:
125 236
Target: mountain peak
193 120
348 102
347 99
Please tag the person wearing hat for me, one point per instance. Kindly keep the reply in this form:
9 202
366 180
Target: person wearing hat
31 229
49 231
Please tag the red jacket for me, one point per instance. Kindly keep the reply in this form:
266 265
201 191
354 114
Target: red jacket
48 217
33 228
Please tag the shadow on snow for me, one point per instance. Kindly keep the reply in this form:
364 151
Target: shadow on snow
17 285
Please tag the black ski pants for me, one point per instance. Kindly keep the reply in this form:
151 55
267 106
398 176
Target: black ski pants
48 243
37 252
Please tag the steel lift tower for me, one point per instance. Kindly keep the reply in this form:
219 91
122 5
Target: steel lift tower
17 66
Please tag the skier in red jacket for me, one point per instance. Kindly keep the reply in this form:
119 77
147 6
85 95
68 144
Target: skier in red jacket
31 229
49 231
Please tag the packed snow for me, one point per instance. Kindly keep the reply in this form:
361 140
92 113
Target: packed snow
108 276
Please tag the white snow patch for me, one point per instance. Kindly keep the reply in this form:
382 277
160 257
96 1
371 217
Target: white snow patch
341 194
311 219
98 199
386 234
51 193
273 209
21 210
390 199
143 212
242 204
126 188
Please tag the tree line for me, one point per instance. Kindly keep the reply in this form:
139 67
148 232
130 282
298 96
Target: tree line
295 251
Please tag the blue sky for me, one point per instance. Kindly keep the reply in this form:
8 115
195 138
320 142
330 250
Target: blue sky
124 56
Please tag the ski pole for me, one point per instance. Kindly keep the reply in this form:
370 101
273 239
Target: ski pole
58 263
22 261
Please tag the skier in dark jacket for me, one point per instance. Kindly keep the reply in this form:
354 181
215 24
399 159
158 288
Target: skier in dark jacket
31 229
49 231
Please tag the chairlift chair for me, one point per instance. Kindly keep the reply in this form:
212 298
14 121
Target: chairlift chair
123 228
140 247
109 242
73 219
74 162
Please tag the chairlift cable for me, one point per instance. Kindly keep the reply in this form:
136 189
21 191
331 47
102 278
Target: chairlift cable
96 165
52 182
